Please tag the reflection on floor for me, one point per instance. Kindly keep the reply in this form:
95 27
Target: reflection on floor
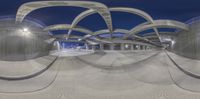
111 75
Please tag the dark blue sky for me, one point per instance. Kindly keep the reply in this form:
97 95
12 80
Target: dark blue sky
181 10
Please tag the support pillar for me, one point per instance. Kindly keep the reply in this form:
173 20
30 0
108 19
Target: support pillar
111 46
132 47
58 45
101 46
141 47
145 47
63 46
138 47
87 46
122 46
93 47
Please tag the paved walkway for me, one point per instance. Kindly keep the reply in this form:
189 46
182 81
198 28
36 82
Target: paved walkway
154 77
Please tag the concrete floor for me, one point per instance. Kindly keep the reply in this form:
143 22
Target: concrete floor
111 75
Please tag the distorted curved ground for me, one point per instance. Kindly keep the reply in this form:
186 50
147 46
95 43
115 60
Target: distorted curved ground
110 75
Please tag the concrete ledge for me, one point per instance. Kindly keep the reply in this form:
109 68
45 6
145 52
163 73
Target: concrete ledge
20 70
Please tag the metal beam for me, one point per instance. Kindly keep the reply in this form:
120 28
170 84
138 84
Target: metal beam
161 33
106 31
100 8
158 24
120 9
62 36
67 27
128 41
79 29
70 40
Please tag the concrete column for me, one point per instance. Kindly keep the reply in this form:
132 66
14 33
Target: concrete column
132 47
93 47
58 45
87 46
145 47
111 46
101 46
141 47
122 46
148 48
138 47
135 47
63 46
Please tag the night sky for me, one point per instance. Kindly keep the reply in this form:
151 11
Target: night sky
180 10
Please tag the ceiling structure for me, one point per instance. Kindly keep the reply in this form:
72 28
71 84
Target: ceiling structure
105 13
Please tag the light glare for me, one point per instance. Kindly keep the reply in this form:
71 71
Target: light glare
25 29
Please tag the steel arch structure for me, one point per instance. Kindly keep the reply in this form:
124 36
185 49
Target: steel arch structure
90 33
79 29
100 8
158 24
104 11
62 36
164 33
106 31
67 27
120 9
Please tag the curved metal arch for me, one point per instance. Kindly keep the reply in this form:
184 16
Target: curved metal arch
127 41
79 29
86 41
80 17
151 37
97 41
101 32
161 33
106 31
62 36
70 40
130 41
158 24
102 40
121 9
100 8
133 11
76 36
67 27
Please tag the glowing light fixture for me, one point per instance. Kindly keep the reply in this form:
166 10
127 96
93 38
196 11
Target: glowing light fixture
79 39
88 35
25 30
126 46
173 42
137 46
